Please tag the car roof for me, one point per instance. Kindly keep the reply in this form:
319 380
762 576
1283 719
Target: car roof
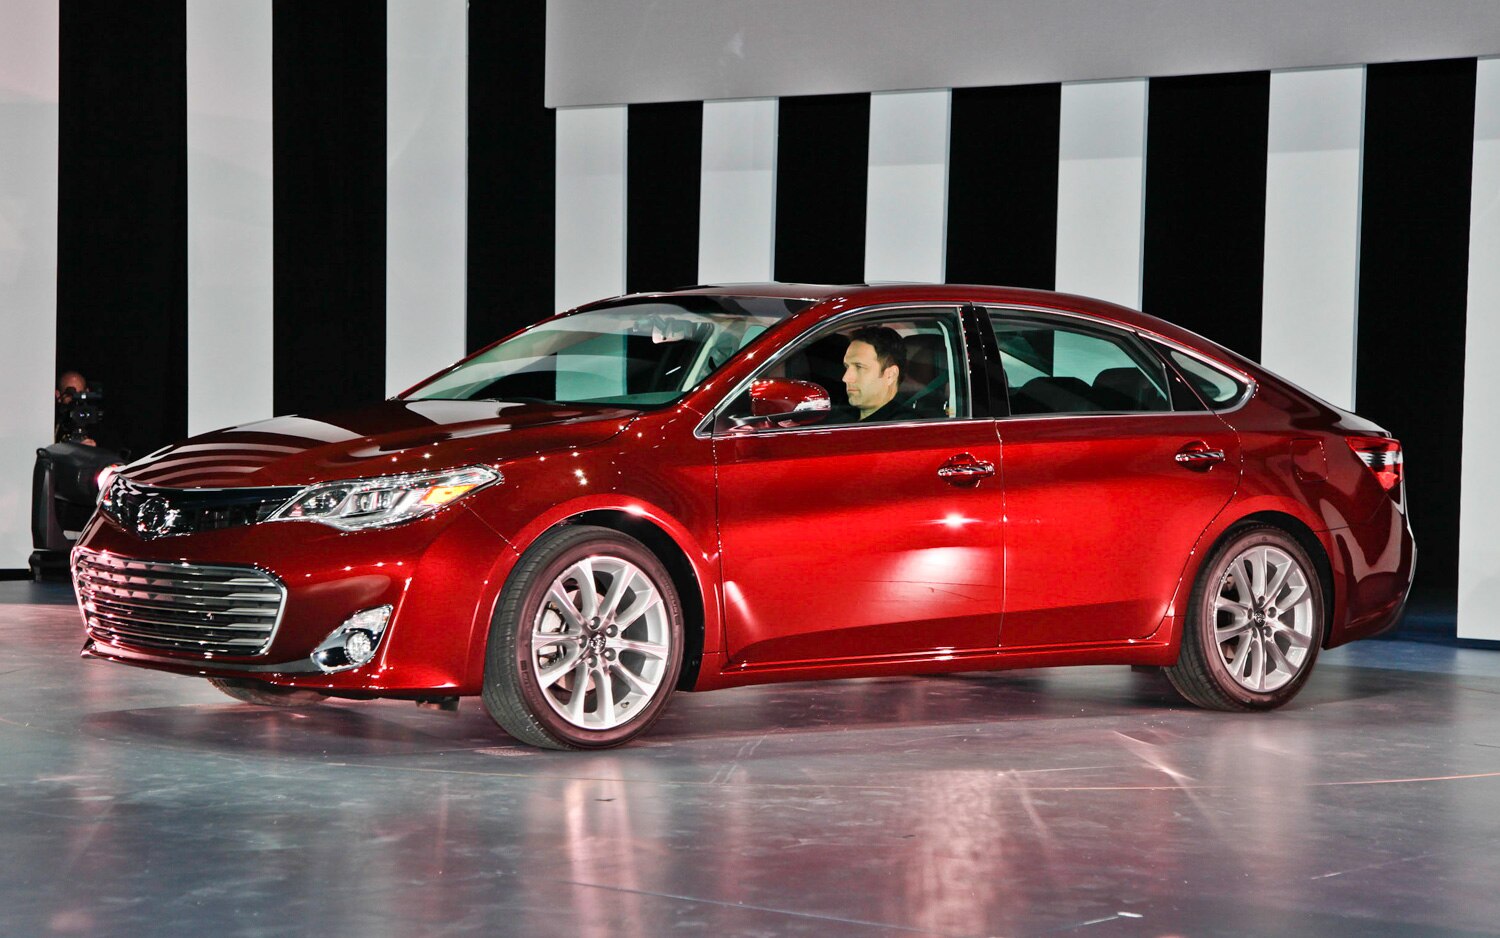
843 296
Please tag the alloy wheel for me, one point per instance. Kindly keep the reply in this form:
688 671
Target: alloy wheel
601 642
1264 618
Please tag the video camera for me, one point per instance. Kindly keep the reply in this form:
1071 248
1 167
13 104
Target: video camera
77 411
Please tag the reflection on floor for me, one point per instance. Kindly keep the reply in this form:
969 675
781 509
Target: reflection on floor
1022 803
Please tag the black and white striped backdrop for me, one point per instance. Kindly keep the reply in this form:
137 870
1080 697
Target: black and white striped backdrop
224 209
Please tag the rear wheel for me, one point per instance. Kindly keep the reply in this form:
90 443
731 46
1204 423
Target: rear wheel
586 643
1254 623
267 695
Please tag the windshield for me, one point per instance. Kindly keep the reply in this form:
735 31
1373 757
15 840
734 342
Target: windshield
638 354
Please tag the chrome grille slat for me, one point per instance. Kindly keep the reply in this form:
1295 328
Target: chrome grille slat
188 595
183 604
204 609
138 592
164 617
179 572
114 637
184 578
199 640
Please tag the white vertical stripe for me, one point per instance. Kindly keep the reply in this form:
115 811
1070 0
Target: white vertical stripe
1479 509
590 204
737 205
28 257
229 212
426 140
1101 183
1312 229
906 220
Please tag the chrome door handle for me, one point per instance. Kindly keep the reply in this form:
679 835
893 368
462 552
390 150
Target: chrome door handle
1199 456
965 468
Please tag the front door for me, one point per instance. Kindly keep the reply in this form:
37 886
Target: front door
856 537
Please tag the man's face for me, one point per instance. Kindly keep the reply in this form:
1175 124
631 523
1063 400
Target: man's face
71 381
870 387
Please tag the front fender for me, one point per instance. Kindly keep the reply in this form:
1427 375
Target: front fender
702 556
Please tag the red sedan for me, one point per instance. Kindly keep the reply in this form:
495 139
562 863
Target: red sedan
733 485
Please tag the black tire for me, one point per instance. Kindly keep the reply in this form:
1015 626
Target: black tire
1205 672
513 692
268 695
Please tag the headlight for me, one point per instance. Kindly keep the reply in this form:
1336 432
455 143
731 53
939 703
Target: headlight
104 481
356 504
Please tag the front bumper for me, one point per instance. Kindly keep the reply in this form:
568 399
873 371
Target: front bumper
440 574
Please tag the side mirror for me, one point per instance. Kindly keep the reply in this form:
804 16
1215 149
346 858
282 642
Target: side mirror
783 402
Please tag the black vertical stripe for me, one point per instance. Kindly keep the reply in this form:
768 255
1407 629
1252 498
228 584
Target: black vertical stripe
822 177
512 170
1002 185
664 172
328 145
1205 227
1413 288
122 214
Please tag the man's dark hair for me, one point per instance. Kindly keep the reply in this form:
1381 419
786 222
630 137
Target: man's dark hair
889 349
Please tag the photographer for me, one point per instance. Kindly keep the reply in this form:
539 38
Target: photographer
75 410
65 481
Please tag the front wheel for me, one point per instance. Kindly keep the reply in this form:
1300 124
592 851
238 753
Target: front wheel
586 643
1254 623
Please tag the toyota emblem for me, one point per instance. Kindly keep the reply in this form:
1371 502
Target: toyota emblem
153 518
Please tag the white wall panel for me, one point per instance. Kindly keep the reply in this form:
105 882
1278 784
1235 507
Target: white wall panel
28 257
1310 299
737 204
230 262
426 187
591 157
906 209
634 51
1101 183
1479 510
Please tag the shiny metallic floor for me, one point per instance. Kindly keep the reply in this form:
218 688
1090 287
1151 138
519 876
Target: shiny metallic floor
1081 801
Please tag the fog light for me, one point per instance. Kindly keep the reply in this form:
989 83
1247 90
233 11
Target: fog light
354 642
359 647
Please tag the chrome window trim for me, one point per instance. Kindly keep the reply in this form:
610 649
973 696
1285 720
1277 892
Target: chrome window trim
859 425
1251 385
704 429
265 648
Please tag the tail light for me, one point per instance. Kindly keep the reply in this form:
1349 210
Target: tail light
1382 456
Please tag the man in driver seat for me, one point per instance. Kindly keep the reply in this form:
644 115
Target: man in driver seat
872 372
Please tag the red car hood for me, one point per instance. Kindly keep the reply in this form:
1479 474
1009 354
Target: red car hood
383 439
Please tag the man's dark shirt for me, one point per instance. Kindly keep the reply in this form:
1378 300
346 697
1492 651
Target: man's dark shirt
893 410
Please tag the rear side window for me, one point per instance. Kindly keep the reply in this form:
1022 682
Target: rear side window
1218 389
1056 368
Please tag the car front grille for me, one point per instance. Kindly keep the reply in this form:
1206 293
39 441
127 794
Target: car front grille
155 606
162 512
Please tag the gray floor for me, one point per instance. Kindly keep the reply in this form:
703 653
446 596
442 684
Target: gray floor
1027 803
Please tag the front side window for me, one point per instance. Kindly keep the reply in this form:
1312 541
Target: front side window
908 365
1057 368
634 354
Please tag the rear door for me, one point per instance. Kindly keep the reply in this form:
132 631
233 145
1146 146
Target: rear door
1113 469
